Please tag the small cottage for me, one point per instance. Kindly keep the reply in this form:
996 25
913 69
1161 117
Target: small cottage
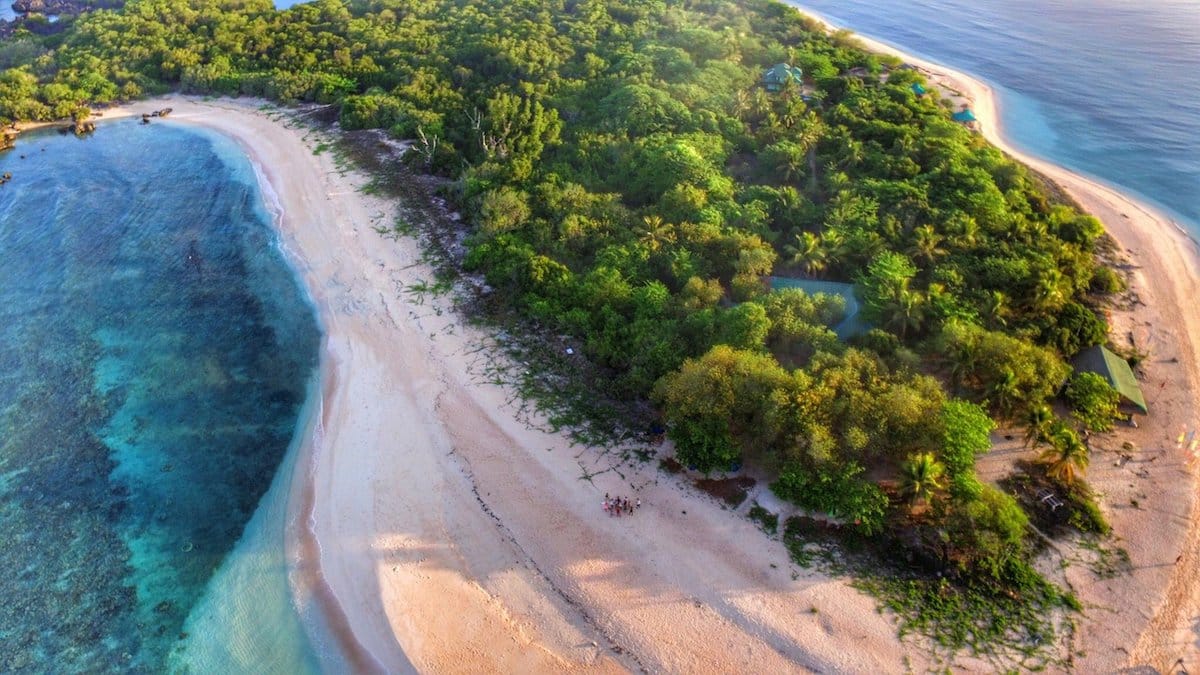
779 75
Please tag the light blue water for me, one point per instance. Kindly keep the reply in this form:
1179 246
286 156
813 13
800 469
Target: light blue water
1110 88
155 352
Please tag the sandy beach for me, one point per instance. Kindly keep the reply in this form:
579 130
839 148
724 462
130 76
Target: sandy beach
432 530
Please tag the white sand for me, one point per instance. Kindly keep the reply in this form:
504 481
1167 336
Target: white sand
443 534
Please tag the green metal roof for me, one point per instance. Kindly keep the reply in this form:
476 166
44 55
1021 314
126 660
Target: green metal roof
853 323
1113 368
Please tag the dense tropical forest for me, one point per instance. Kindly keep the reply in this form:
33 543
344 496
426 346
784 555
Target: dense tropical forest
630 182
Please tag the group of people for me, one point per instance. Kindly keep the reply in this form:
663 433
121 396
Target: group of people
615 506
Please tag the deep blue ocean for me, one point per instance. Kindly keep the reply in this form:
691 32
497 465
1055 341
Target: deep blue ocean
155 353
1109 88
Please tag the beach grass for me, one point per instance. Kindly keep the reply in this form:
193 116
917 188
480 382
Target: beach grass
1023 624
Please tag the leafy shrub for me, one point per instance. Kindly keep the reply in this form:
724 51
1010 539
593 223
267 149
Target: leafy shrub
836 491
1106 281
767 520
1093 401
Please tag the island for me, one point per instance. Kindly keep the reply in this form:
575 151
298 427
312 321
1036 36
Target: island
608 409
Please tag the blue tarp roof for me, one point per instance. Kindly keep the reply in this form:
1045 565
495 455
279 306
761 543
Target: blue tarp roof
918 89
852 324
963 116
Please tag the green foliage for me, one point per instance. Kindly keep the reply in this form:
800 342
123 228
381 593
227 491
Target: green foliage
1067 458
374 111
987 534
966 434
1074 329
627 183
1093 401
1007 372
1085 512
839 492
768 521
1013 623
1015 626
714 401
1106 281
921 477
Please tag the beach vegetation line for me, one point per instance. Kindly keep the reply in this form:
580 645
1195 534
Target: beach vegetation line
628 185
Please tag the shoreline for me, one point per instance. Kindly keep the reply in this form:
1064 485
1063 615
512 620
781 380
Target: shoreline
1157 607
453 536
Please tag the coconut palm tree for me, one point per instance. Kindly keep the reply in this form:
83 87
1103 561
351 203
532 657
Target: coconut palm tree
964 360
964 231
927 244
1005 392
808 253
1048 293
921 477
1040 418
905 311
996 308
654 232
1067 457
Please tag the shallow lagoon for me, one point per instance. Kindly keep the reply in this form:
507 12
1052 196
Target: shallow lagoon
157 352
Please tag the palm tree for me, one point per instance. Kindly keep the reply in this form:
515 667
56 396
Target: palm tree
834 243
808 252
807 135
1048 294
920 477
654 232
927 244
964 231
964 361
1067 457
1039 420
1005 392
905 311
996 308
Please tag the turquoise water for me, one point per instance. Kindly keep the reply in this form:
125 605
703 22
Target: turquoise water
1110 88
156 354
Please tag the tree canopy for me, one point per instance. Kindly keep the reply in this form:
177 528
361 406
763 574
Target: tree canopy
627 181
